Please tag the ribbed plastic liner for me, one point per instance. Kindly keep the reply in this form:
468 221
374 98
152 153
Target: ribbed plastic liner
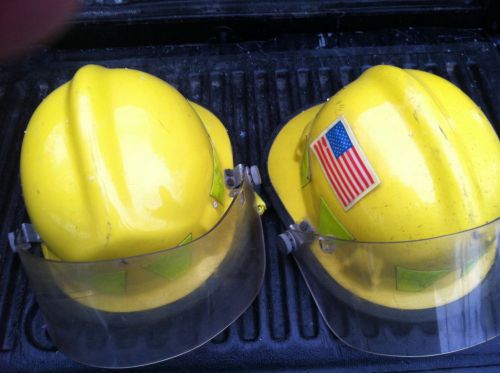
253 87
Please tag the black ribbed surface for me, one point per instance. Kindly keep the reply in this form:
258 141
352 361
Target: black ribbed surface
180 9
253 88
112 23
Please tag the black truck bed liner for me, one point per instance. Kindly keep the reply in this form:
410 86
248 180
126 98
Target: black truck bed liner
253 86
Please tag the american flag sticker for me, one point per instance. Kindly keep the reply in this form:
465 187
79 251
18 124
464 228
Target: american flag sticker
344 164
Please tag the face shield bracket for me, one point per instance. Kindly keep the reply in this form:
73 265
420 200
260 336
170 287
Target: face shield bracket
296 236
23 237
234 178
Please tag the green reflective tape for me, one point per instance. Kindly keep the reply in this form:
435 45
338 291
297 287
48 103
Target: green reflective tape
217 190
413 281
469 266
305 170
186 240
175 263
329 225
108 282
471 263
172 265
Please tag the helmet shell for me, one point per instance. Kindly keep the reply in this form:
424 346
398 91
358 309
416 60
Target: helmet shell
435 153
436 158
116 163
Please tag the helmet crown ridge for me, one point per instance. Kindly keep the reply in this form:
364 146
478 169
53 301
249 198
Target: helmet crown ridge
117 162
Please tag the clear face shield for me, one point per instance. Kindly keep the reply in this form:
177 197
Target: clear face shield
139 310
412 298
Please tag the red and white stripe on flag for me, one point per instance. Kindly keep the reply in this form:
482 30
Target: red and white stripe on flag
346 167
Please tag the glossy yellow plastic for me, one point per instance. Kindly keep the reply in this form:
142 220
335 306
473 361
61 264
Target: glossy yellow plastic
438 159
117 163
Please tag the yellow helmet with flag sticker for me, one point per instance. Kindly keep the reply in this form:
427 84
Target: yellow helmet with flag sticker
398 155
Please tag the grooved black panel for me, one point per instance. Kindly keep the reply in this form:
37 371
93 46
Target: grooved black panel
168 9
253 87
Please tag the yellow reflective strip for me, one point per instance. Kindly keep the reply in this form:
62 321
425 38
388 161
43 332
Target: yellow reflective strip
305 170
172 265
107 282
218 189
329 225
411 280
186 240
